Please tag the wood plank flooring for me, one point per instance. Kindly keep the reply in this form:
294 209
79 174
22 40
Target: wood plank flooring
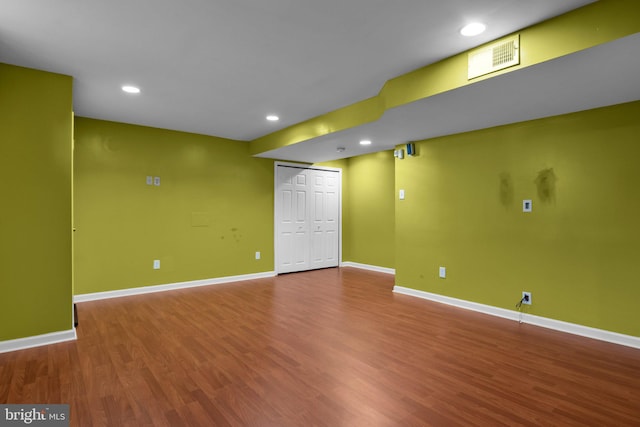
330 348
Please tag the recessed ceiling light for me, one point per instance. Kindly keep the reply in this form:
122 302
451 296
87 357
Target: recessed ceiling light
365 142
273 118
473 29
131 89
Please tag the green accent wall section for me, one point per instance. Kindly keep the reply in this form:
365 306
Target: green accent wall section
369 236
577 252
211 212
347 117
597 23
35 188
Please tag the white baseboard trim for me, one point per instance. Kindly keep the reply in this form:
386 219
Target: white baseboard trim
558 325
169 287
369 267
37 340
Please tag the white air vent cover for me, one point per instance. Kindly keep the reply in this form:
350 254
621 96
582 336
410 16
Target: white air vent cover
493 57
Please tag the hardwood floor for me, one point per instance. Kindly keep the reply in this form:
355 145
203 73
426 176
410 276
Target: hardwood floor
332 348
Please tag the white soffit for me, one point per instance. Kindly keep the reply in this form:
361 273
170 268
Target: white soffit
600 76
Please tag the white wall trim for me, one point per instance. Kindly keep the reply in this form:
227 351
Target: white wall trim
37 340
169 287
368 267
558 325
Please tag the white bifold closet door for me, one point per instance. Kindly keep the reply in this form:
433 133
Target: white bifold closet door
307 218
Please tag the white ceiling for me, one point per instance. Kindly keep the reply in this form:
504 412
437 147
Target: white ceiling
218 67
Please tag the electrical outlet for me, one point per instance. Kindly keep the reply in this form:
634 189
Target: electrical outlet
156 264
258 255
526 298
442 272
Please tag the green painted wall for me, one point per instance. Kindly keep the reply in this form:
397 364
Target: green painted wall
577 252
35 214
212 211
369 236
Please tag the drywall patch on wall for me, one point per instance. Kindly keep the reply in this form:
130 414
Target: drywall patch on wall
546 185
200 219
506 191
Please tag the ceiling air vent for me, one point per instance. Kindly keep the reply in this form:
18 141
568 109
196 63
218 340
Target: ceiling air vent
495 56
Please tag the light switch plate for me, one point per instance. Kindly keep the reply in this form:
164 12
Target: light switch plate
401 194
442 272
156 181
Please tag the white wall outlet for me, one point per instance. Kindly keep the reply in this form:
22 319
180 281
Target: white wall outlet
401 194
442 272
156 181
527 206
526 298
156 264
258 255
149 180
